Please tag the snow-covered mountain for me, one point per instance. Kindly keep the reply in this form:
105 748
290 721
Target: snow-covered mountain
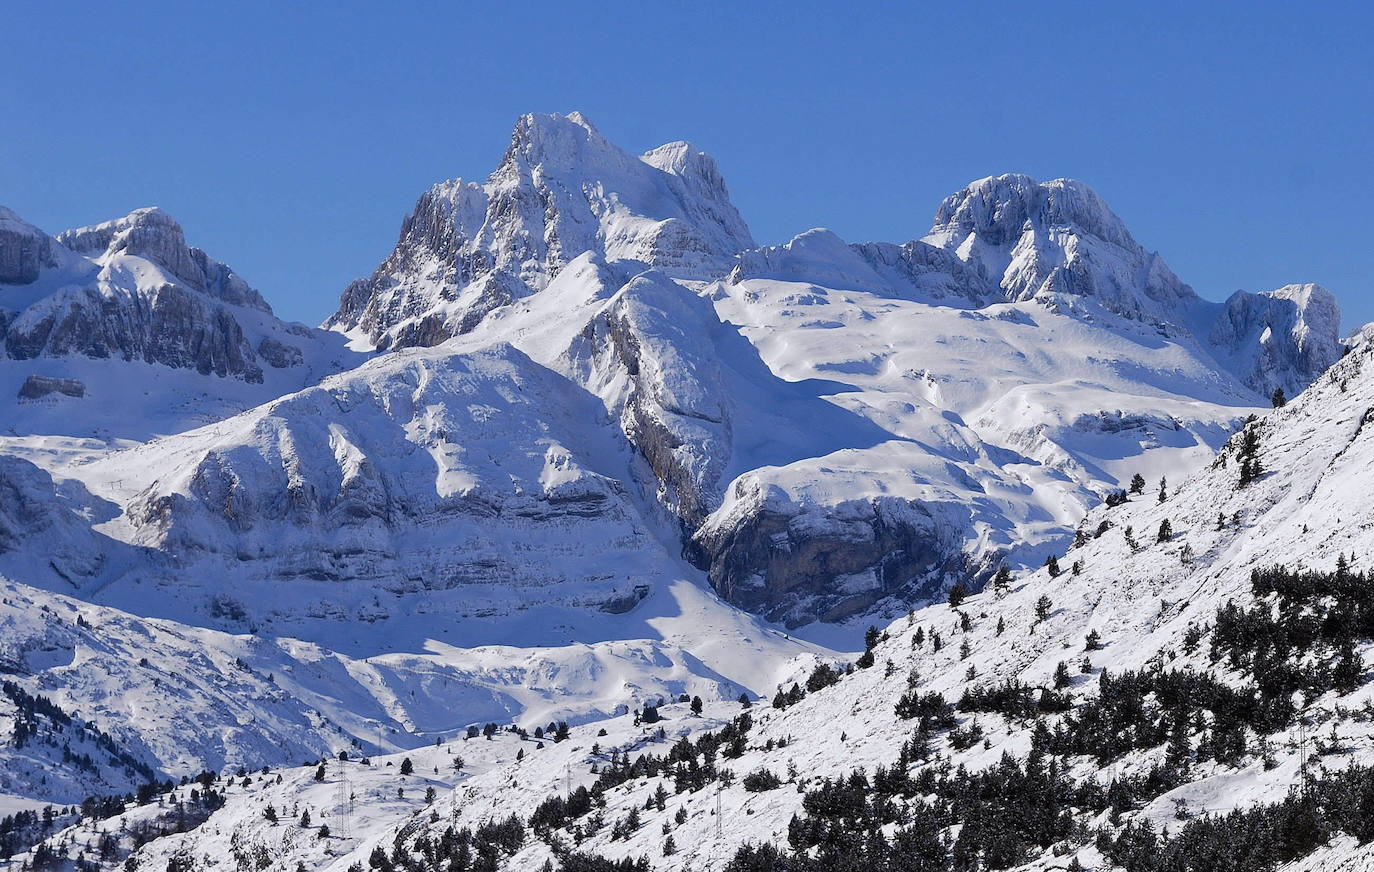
562 190
602 450
1096 342
124 331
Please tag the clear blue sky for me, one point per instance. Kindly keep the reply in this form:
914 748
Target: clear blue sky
291 138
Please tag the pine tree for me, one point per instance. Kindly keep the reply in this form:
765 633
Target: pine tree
957 595
270 813
305 818
319 773
1177 754
669 847
1061 676
1001 581
1250 466
1093 641
1137 483
871 637
1278 398
1042 608
1166 531
1163 489
1052 564
407 767
696 705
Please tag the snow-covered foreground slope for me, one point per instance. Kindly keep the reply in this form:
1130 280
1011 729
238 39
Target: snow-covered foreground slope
177 699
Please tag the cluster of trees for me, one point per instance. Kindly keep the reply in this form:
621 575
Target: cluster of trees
1013 811
821 677
455 850
29 707
26 827
1261 838
1145 709
1014 700
1007 813
1302 633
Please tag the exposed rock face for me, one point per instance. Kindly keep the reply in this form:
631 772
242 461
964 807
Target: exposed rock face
933 273
132 289
279 354
796 564
38 386
1284 338
649 357
24 249
561 190
166 324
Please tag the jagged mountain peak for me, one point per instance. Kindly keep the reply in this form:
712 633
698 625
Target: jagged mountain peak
153 234
1033 239
559 142
998 208
1284 338
560 191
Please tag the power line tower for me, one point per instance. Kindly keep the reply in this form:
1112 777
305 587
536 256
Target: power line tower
1302 755
343 802
718 820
